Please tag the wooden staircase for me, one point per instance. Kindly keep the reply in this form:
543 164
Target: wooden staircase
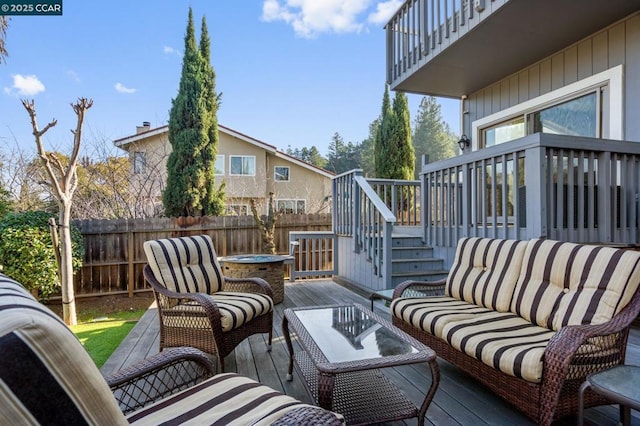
413 260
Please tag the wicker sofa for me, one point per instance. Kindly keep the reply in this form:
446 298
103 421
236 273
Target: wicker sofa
528 319
46 377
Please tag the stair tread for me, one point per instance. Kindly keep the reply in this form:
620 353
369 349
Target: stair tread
425 272
425 259
411 247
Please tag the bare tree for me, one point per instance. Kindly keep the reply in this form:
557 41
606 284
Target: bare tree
64 180
4 23
267 227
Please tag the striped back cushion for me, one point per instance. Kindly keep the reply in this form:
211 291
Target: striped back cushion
185 264
570 284
485 271
46 376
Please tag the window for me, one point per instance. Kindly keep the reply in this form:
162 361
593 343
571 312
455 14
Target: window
237 210
591 107
139 162
219 166
281 174
504 132
575 117
291 206
242 165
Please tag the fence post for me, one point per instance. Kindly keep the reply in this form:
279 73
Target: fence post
131 269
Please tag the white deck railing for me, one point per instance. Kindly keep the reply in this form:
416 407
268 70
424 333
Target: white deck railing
541 186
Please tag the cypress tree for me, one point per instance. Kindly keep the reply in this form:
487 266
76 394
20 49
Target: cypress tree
382 136
402 147
214 201
394 154
193 135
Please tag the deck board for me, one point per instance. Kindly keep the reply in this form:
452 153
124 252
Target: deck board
460 400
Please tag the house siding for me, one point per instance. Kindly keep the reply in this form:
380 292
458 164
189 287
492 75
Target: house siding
305 183
613 46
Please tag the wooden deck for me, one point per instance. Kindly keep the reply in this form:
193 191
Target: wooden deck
460 400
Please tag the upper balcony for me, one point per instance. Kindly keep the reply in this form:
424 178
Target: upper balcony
452 48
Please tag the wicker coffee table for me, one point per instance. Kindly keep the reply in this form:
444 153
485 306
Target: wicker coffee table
344 348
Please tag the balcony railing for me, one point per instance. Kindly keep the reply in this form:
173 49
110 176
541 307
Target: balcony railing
418 27
541 186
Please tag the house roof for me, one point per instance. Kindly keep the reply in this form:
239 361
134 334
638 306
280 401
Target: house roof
123 142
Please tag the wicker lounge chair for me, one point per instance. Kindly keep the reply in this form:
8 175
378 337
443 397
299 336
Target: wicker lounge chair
197 305
48 378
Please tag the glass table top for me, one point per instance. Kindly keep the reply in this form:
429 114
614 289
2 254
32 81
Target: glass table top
346 333
622 380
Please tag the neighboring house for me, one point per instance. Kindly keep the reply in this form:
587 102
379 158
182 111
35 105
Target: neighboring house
549 93
250 168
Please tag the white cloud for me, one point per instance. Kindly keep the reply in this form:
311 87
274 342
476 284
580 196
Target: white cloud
122 89
73 76
384 11
312 17
25 85
168 50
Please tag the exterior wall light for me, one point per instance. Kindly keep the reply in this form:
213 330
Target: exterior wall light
464 142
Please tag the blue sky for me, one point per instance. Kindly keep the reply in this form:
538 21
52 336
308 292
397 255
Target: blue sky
291 72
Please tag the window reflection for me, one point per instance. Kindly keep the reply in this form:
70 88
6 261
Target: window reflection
576 117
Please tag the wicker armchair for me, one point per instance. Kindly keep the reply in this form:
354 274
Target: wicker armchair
48 378
197 305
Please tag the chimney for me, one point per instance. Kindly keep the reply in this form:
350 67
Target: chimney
145 127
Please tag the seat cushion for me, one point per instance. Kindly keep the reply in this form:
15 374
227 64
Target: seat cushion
46 376
485 271
225 399
431 314
236 309
503 341
571 284
185 264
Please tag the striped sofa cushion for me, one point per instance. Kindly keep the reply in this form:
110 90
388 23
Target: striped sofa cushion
185 264
485 271
46 376
236 309
570 284
431 314
226 399
503 341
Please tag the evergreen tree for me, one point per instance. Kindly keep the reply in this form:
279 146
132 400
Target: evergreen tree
431 135
310 155
193 135
403 148
383 135
367 150
214 201
342 156
394 155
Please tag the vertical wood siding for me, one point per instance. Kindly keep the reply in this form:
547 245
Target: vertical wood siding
615 45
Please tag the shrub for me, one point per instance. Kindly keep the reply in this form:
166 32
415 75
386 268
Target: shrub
27 254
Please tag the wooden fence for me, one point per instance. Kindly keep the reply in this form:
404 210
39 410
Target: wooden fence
114 257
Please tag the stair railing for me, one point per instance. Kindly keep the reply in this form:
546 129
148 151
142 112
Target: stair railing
361 214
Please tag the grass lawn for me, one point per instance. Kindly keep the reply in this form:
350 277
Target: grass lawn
101 335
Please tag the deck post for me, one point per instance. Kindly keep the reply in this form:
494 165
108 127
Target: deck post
534 180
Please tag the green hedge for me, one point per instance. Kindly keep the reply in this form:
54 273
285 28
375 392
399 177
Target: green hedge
27 254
